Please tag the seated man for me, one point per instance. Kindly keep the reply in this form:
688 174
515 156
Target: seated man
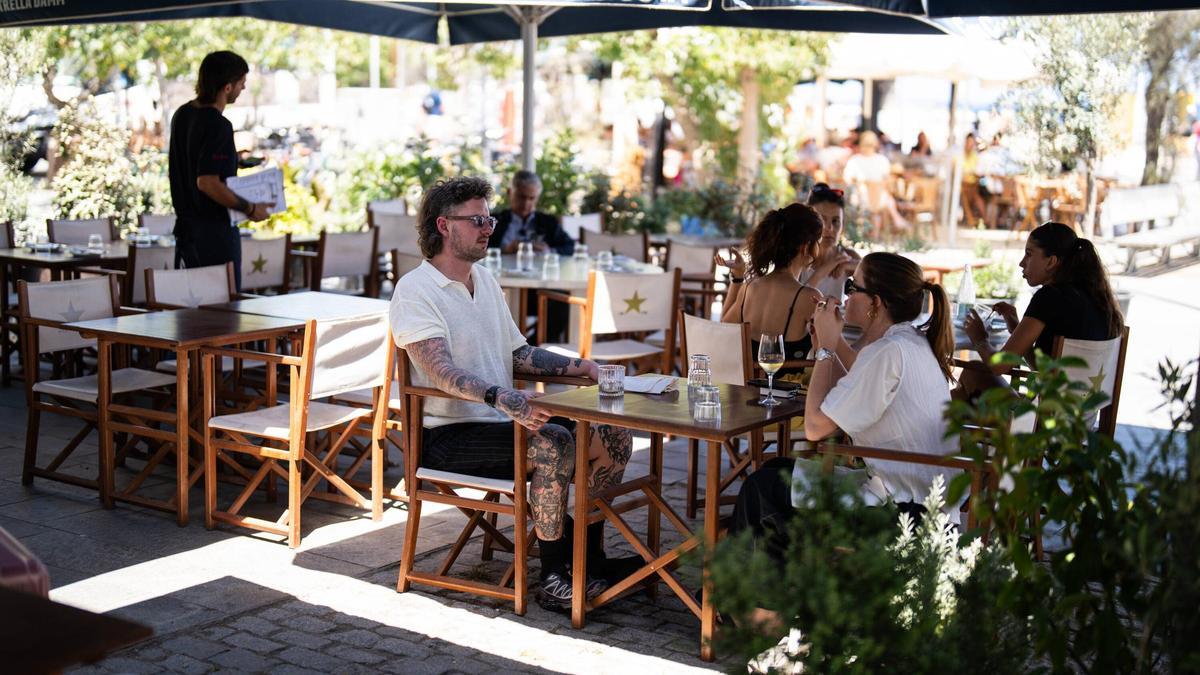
522 222
450 315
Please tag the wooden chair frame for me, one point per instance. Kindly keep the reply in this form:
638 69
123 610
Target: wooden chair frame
113 235
370 275
295 452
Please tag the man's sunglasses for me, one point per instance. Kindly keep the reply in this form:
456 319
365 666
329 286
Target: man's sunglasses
479 222
851 288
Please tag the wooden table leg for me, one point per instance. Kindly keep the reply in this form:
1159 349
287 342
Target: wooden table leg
712 502
103 396
182 432
654 517
582 506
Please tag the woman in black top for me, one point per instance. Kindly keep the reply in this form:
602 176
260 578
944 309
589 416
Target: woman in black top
1075 301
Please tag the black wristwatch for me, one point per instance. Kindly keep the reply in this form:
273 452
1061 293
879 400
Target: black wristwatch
489 397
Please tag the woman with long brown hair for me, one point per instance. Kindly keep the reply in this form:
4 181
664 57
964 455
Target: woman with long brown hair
890 395
1074 300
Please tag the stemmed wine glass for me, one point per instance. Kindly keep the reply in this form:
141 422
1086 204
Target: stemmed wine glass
770 359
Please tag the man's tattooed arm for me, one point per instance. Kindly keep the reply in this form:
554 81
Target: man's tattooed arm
433 357
534 361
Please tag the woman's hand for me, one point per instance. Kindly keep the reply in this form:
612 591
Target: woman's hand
1009 313
734 263
827 322
974 328
829 265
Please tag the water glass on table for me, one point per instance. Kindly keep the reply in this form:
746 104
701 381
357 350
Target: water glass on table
612 380
699 372
525 256
581 253
604 261
770 359
707 407
550 266
494 262
95 243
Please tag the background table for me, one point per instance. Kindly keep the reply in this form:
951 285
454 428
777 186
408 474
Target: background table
307 305
41 636
182 331
61 262
658 415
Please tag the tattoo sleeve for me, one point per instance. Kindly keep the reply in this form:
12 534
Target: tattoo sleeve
534 361
433 357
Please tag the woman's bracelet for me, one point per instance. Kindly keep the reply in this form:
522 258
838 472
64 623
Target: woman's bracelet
736 280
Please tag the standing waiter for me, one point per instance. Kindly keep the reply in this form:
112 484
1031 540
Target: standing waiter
201 157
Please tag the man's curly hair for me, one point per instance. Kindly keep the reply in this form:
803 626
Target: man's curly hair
440 200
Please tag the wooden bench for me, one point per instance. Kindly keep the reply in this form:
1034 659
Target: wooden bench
1179 204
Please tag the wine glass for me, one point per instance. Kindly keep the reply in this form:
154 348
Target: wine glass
770 359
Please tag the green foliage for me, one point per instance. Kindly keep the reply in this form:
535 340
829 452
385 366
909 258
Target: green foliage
392 173
98 178
623 211
1121 596
866 596
563 181
303 212
14 193
1000 281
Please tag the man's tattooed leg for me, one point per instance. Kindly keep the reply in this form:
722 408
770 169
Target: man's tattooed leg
609 449
551 457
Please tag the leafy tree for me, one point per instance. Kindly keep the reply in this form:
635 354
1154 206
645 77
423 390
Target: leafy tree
18 61
1171 57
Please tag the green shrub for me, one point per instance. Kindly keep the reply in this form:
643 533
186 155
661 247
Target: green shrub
392 173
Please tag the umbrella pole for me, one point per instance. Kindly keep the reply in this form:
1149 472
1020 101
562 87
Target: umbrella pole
529 32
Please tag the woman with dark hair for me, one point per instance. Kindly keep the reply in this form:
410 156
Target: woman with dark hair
890 394
828 272
921 149
1074 301
781 247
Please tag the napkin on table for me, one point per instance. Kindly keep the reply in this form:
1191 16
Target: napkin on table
649 384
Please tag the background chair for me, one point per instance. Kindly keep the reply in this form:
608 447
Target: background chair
621 305
10 333
575 225
349 255
634 246
45 307
337 356
397 239
158 224
699 274
76 232
266 263
133 280
183 288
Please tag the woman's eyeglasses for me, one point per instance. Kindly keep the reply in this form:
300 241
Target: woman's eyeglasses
851 288
479 222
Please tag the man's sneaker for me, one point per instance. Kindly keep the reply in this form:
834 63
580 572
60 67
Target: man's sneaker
554 593
613 570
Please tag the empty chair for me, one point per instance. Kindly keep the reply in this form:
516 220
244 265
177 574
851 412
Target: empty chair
175 289
142 258
77 232
348 255
265 264
157 224
45 307
397 237
634 246
337 356
575 225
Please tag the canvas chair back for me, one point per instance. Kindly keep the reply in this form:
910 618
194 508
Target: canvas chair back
574 225
193 287
68 301
726 344
386 206
348 254
351 354
265 263
76 232
397 232
403 263
629 303
689 258
141 259
160 224
629 245
1104 372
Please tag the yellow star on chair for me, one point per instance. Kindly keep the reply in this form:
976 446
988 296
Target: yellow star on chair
1097 380
634 304
259 263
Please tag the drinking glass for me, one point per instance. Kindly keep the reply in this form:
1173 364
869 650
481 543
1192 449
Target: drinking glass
604 261
494 262
708 403
525 256
550 266
612 380
699 373
770 359
95 243
581 252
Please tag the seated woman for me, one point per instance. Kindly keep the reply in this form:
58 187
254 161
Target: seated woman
891 397
1074 301
781 247
828 272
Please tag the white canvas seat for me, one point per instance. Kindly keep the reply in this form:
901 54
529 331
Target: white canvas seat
575 225
133 290
634 246
466 480
87 387
76 232
265 264
274 422
195 287
619 304
159 224
365 397
347 256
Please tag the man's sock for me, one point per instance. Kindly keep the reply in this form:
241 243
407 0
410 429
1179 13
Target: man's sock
556 554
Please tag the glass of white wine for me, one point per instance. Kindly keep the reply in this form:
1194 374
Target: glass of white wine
770 359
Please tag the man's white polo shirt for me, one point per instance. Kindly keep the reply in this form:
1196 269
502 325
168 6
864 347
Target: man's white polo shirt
479 330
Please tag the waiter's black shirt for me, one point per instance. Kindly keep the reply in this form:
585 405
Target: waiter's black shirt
201 145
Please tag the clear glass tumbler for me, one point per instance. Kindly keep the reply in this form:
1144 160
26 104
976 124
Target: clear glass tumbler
612 380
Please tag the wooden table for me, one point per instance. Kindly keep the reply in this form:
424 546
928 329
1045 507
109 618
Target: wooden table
938 264
667 414
307 305
63 262
41 636
181 331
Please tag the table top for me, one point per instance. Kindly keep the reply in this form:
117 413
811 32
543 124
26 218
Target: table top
946 261
307 305
187 328
38 635
572 274
699 241
116 251
671 412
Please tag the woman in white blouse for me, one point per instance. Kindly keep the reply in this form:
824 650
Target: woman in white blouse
889 394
